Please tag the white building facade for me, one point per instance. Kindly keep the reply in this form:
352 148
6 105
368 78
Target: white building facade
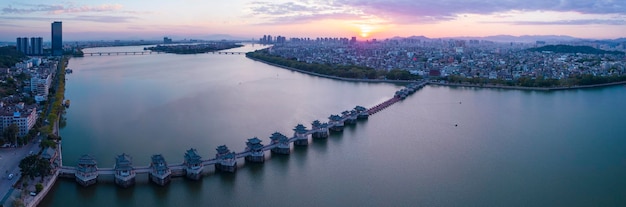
40 84
23 116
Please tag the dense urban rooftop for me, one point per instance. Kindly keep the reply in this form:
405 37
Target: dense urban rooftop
460 60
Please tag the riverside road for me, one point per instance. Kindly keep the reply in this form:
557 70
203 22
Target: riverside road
9 161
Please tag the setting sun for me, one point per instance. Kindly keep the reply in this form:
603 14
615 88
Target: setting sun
366 30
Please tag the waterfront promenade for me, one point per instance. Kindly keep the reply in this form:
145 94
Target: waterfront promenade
527 88
10 159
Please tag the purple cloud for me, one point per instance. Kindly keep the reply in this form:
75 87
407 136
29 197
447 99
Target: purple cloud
104 18
58 9
2 24
87 18
309 18
455 7
569 22
427 11
31 9
300 12
268 8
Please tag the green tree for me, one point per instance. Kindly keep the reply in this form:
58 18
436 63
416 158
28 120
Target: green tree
32 132
22 77
18 202
12 132
52 117
21 141
38 187
344 71
29 100
33 166
47 143
45 129
9 56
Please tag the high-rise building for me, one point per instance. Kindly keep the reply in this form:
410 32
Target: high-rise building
57 39
36 45
167 40
281 39
22 44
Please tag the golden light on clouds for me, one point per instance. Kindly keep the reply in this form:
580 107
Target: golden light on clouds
365 19
365 30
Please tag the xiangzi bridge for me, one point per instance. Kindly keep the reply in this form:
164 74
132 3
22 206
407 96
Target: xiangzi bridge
192 167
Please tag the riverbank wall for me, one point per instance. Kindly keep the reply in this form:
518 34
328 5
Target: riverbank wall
41 195
527 88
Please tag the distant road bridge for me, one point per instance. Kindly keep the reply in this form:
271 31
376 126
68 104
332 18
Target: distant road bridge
152 53
119 53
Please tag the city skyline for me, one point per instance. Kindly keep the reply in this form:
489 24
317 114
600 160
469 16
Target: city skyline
365 19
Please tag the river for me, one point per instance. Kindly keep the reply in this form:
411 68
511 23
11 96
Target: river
442 146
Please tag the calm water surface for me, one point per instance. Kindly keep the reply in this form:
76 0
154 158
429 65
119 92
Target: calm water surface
509 148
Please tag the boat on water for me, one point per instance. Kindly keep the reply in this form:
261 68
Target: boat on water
66 103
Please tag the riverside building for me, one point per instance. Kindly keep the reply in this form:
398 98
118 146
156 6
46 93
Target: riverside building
19 114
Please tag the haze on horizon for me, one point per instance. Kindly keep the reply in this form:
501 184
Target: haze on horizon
366 19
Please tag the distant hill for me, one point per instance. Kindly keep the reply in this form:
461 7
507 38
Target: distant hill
505 38
533 38
209 37
411 37
573 49
612 43
523 38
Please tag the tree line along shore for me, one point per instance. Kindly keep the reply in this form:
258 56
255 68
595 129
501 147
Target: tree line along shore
194 48
340 71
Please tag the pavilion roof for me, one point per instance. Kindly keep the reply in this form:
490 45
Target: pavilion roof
87 160
300 128
222 149
123 161
192 154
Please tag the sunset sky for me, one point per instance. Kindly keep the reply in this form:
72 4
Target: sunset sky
153 19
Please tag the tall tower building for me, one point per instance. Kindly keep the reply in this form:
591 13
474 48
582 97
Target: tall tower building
57 39
22 44
36 45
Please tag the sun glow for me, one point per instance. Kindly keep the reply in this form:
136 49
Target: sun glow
366 30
